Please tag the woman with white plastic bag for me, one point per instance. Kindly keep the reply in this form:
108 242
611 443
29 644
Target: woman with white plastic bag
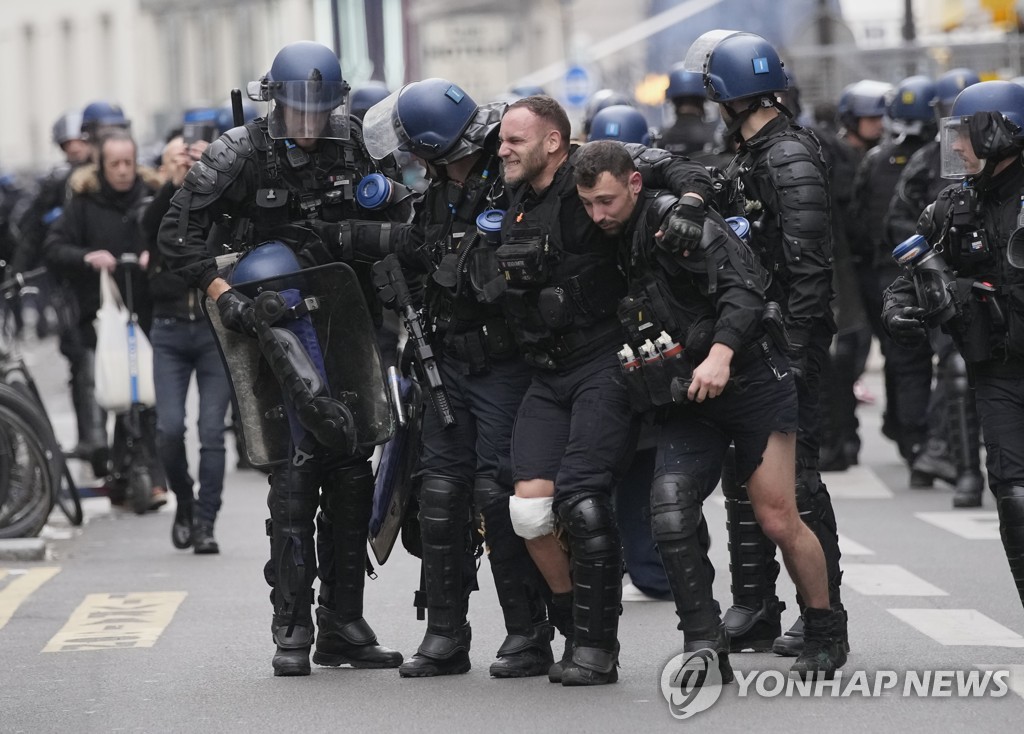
99 226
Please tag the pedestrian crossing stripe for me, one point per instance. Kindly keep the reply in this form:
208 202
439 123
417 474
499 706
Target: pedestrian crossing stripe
959 627
886 579
16 585
856 483
968 524
113 621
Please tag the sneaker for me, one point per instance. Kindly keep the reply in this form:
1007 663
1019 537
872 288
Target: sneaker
157 498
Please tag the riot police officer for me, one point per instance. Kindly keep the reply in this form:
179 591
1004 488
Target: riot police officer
278 178
575 430
919 185
702 309
464 468
598 101
975 288
624 123
690 134
779 173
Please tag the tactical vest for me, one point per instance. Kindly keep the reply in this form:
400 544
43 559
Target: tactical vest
470 328
560 304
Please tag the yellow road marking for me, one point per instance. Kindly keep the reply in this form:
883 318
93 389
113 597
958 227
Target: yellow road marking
110 621
20 587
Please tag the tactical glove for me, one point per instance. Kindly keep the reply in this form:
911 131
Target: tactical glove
237 312
905 326
684 226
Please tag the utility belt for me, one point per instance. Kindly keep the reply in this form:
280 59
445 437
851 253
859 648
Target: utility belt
478 348
561 351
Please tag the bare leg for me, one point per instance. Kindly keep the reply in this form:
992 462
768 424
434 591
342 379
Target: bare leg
772 489
551 560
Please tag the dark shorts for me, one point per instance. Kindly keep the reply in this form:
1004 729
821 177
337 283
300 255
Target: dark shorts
577 429
694 437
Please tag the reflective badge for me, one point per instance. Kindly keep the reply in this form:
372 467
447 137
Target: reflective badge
454 94
612 129
761 65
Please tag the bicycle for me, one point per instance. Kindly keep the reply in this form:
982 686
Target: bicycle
33 472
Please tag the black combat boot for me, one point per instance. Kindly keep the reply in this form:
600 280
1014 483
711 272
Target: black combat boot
352 643
592 666
716 640
525 656
181 530
203 542
293 643
823 652
560 612
526 651
968 490
449 573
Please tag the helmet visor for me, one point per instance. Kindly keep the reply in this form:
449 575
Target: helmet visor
697 54
382 128
958 158
308 109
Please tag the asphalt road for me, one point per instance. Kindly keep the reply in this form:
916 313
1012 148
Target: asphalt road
118 631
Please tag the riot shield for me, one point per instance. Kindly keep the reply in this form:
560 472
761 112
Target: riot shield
394 484
347 339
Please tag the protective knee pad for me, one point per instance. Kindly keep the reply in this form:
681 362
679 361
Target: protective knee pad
532 517
444 510
590 525
675 508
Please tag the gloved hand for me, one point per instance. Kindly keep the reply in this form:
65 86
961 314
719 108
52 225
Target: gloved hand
684 226
237 312
905 326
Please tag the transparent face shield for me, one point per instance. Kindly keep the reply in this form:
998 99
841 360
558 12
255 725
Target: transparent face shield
958 159
697 54
381 128
301 110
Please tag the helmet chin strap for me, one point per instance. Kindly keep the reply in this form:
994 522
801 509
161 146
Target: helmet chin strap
738 118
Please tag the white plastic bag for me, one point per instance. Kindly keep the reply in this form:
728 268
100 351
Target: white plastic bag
124 357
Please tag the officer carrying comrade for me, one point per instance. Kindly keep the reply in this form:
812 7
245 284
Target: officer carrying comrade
298 341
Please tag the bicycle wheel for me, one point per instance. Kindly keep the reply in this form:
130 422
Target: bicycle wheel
30 474
66 494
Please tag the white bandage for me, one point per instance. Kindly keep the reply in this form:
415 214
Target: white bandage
531 516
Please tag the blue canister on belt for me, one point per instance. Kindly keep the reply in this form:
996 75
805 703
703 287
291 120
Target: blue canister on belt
488 225
375 191
741 227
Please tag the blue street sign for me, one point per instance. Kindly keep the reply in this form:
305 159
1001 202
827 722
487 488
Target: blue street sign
577 85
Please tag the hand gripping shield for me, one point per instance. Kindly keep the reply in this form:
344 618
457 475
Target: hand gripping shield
315 371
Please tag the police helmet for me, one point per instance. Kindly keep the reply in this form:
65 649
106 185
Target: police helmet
307 95
68 127
866 98
365 97
98 116
426 118
992 138
200 123
684 83
267 260
598 101
226 116
743 65
913 99
954 81
526 90
620 122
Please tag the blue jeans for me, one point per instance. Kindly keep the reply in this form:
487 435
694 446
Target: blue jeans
179 349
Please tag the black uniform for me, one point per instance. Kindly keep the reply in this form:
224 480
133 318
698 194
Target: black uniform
690 136
271 189
953 418
576 425
714 295
973 225
782 175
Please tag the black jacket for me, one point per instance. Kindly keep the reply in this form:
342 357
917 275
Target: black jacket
172 297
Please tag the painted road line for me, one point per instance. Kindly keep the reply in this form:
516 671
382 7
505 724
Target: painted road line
884 579
959 627
17 584
852 548
111 621
857 483
969 524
